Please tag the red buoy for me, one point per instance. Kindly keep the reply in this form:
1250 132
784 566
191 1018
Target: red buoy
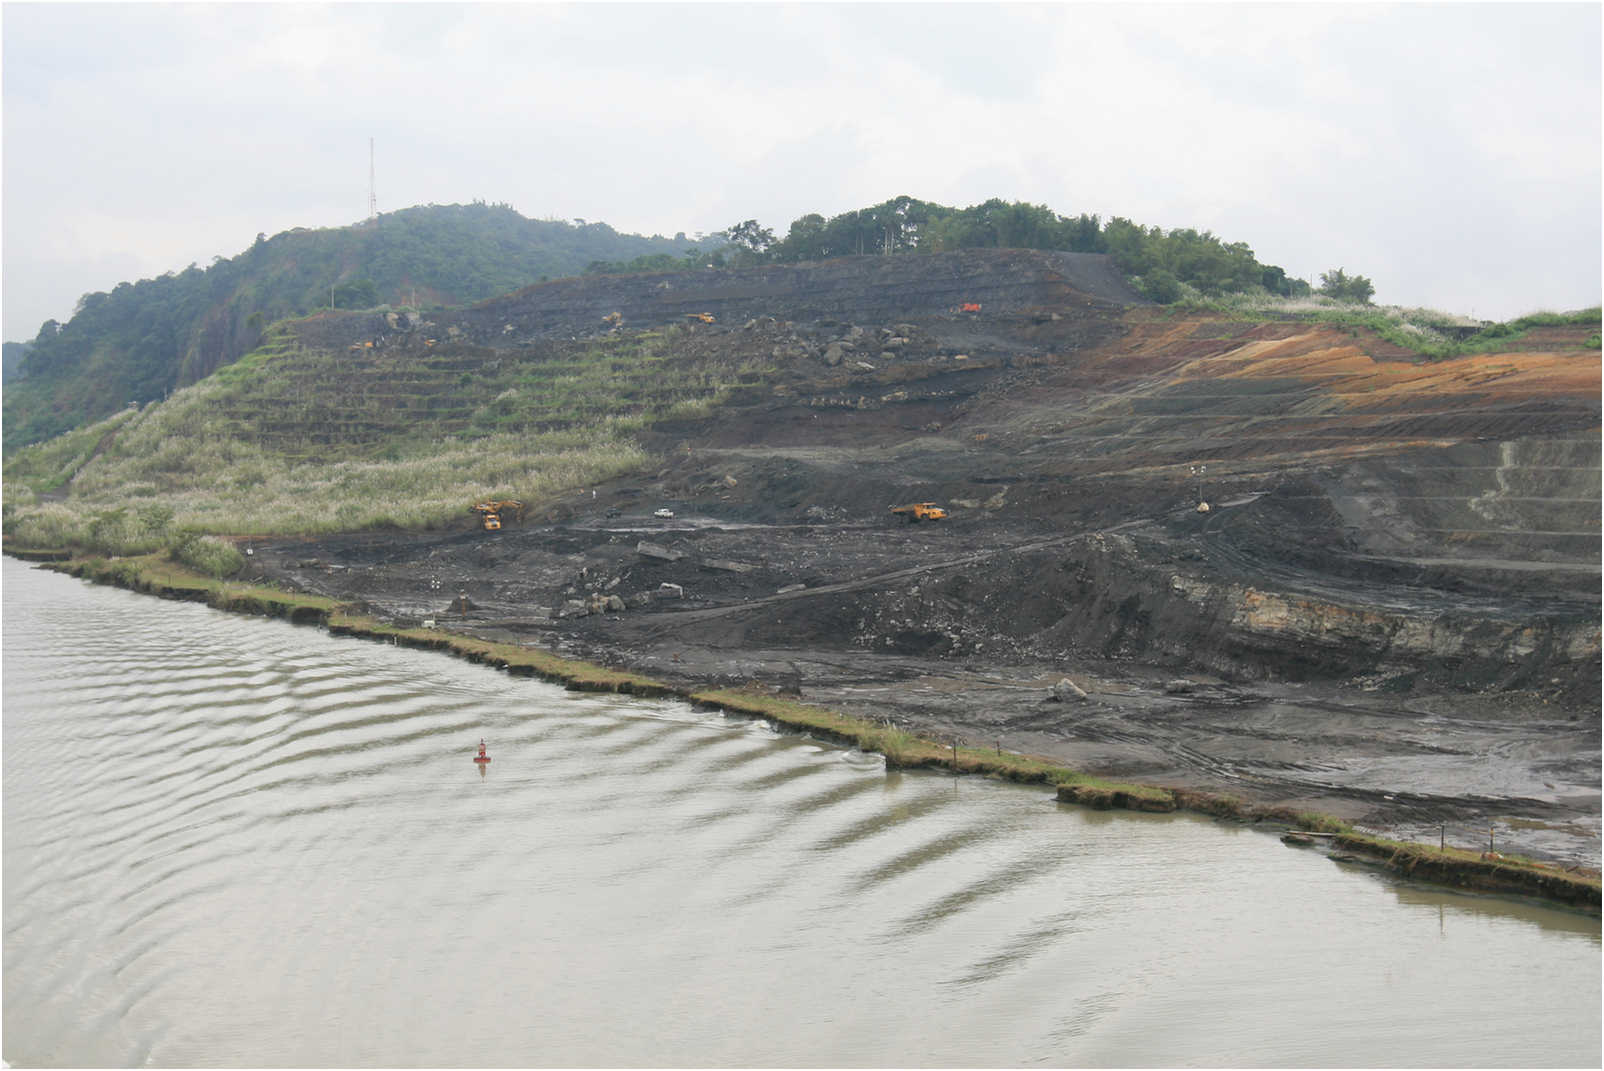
481 757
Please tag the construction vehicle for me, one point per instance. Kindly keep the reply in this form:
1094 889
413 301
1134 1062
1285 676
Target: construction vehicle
705 317
492 510
915 512
613 320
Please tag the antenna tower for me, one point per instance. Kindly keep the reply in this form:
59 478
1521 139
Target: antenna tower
373 200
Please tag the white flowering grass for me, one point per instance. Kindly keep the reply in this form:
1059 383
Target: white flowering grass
262 495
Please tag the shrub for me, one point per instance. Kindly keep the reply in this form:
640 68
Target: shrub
1162 286
206 554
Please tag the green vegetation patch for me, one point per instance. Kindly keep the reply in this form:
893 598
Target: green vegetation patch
292 441
144 339
48 466
154 574
1429 333
1484 871
519 661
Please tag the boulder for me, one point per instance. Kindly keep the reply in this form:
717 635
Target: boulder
1066 691
652 550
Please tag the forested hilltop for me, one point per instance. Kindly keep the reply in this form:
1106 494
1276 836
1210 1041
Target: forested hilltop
144 339
1165 265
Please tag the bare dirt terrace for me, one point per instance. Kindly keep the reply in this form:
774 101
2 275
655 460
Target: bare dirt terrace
1389 612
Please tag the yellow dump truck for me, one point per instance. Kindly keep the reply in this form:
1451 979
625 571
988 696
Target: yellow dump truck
492 510
915 512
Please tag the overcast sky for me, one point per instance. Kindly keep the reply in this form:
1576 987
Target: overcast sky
1451 153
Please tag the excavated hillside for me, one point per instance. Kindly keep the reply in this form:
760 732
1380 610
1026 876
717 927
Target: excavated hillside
1389 608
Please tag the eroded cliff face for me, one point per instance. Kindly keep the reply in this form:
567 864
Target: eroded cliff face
1371 515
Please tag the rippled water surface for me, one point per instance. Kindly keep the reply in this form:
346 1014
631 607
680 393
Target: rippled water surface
230 841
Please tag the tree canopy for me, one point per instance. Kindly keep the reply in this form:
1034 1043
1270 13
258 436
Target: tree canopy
1163 264
1339 284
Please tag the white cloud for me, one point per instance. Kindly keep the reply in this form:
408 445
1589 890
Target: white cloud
1451 152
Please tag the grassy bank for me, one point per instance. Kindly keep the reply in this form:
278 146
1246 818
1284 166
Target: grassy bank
1431 334
156 575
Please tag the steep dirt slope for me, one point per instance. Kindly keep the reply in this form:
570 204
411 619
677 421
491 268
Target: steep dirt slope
1390 609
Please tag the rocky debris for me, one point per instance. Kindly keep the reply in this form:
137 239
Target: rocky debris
726 566
661 553
1066 691
595 604
1180 686
1370 586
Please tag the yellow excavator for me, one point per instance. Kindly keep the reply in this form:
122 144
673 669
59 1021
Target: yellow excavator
700 317
492 510
915 512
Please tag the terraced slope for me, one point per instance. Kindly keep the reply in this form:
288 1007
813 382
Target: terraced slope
1390 606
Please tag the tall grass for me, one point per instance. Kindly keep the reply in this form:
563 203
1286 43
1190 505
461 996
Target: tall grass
216 458
220 490
1428 332
45 467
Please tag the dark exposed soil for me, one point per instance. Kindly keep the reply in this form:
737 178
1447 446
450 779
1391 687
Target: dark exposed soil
1389 611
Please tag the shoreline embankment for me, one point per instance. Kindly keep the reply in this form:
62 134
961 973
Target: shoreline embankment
1440 865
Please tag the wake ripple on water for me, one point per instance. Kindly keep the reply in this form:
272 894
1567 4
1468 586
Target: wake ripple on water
263 828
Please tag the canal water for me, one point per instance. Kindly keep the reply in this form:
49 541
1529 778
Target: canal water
237 842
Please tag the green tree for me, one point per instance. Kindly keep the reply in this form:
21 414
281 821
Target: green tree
1338 284
748 235
1162 286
